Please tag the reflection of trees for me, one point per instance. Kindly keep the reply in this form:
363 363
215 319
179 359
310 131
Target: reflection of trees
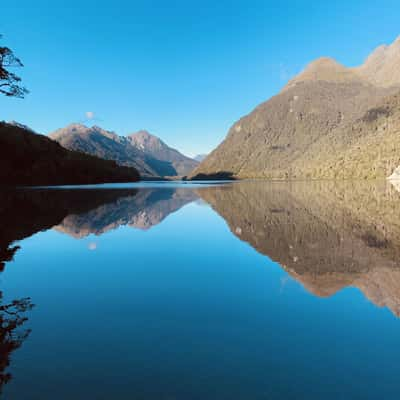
25 212
12 318
12 334
7 254
22 214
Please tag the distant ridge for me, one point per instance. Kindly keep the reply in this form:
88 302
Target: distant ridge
145 152
156 148
200 157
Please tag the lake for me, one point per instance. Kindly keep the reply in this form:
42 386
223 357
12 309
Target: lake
243 290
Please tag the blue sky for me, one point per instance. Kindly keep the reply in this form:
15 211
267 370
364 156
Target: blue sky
184 70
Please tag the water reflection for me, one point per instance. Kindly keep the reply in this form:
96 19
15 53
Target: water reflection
77 212
23 213
326 235
202 309
12 332
142 210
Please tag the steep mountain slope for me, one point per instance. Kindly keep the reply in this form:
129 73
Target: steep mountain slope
105 144
323 124
31 159
382 66
148 154
156 148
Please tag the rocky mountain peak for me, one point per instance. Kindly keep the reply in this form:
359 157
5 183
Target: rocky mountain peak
382 67
324 69
145 138
146 141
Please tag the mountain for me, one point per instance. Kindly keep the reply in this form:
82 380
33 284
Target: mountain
200 157
148 154
106 144
327 235
156 148
382 66
327 122
28 158
19 125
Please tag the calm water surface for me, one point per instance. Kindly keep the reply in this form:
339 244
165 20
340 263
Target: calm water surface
247 290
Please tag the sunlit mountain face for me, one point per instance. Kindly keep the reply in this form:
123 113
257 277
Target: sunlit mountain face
164 280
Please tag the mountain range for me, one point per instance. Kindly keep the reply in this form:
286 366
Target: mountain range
141 150
330 121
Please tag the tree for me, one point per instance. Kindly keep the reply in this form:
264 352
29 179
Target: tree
9 82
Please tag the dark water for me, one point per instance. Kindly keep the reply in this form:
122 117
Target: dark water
248 290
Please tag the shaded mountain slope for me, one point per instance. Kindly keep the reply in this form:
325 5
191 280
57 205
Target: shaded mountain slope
31 159
105 144
156 148
145 152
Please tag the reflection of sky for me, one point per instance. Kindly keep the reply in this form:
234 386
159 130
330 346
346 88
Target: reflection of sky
188 307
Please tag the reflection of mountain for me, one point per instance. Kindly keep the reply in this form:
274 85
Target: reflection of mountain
22 214
327 235
25 212
144 210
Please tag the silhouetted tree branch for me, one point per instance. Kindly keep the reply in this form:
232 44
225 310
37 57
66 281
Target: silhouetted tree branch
10 82
12 335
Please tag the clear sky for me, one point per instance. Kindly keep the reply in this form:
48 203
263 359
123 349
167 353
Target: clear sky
183 70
